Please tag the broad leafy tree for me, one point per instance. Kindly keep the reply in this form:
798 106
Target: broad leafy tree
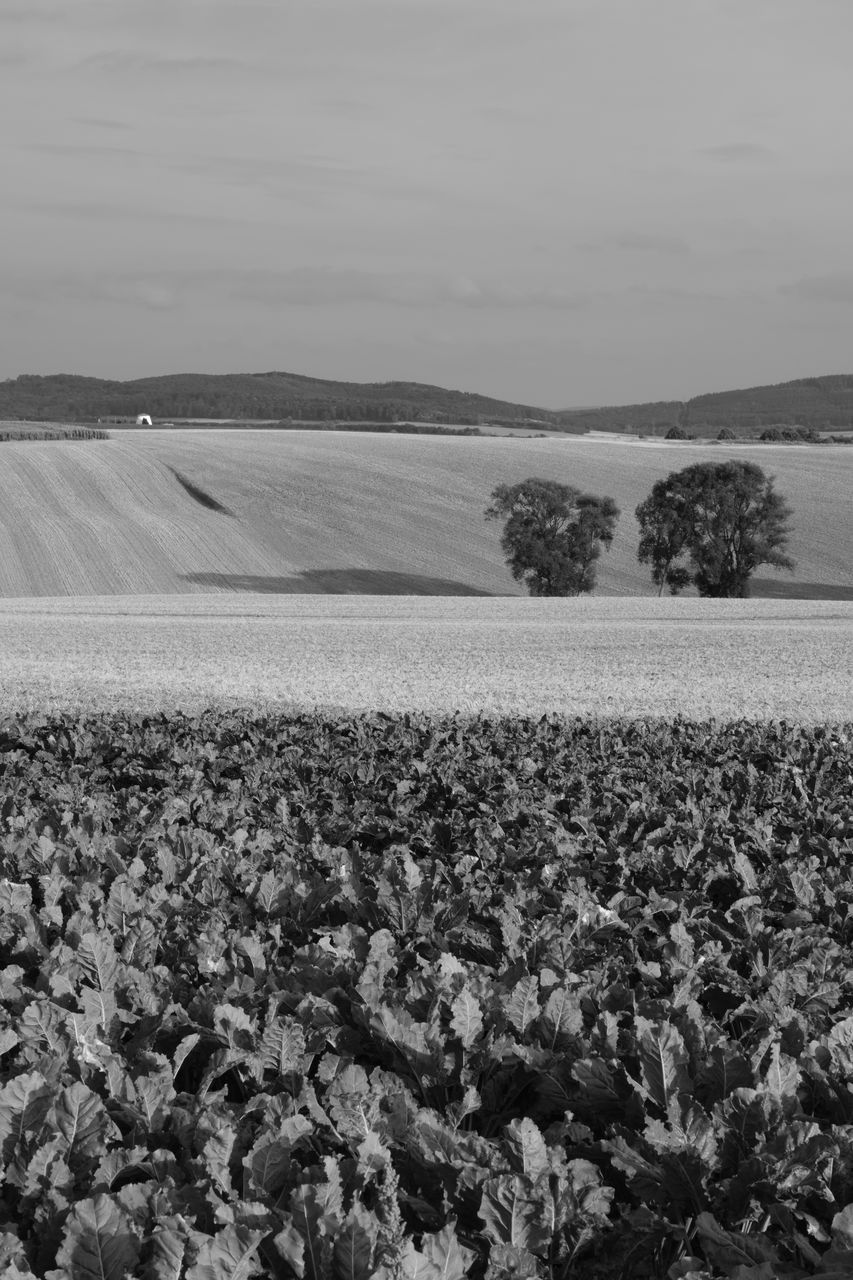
711 526
553 534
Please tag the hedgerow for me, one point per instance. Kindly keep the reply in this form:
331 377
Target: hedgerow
418 998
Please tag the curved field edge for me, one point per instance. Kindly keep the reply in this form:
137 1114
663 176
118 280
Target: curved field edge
491 998
634 657
351 513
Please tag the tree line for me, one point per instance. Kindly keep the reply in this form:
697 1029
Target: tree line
709 526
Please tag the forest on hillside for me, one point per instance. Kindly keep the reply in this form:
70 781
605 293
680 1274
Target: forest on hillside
823 404
271 396
820 404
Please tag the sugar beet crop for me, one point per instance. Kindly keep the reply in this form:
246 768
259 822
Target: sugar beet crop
409 997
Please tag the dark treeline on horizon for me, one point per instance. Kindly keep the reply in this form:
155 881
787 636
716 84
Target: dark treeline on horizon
822 404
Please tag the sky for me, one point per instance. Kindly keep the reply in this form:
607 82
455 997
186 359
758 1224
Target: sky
557 202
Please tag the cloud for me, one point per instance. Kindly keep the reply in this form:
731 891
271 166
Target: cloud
325 286
132 62
677 294
151 293
641 242
298 287
25 14
101 211
736 152
96 122
97 149
829 288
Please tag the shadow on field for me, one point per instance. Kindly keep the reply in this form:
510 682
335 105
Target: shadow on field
778 589
361 582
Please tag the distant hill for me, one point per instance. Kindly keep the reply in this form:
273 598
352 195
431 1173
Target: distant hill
824 404
68 398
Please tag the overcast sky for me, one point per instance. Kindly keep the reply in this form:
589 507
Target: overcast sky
561 202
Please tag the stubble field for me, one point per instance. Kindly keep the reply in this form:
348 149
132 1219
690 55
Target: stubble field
606 657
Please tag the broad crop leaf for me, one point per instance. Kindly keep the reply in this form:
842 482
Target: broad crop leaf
80 1118
509 1262
513 1213
381 960
522 1006
8 1040
98 1242
598 1087
647 1177
526 1148
282 1047
663 1061
217 1150
290 1247
724 1071
269 1162
561 1016
467 1019
730 1249
42 1027
24 1103
352 1256
446 1255
48 1177
97 956
373 1156
230 1255
840 1045
234 1026
98 1007
168 1249
782 1078
842 1228
154 1094
317 1210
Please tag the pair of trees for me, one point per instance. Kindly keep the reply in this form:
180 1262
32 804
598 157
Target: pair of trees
709 526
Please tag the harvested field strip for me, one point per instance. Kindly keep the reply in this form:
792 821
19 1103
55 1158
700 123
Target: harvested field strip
107 521
642 657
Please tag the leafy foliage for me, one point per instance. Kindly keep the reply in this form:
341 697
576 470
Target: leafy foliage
711 526
414 998
552 534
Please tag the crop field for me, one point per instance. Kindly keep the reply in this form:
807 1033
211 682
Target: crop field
645 656
308 998
312 512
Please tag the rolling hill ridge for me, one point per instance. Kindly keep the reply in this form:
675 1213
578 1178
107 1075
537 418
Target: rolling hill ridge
259 396
823 403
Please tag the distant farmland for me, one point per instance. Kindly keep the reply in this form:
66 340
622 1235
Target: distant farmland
172 512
